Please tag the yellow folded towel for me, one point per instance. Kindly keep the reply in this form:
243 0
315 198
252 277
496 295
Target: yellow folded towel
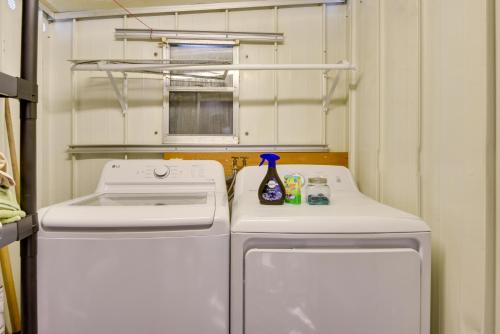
9 209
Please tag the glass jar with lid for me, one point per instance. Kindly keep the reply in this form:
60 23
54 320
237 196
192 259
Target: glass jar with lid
318 191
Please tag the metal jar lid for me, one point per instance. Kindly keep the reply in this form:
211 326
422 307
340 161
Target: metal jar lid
317 180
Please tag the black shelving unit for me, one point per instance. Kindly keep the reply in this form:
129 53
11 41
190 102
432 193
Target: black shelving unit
25 89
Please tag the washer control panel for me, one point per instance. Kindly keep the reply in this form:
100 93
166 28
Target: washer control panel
130 171
123 174
161 172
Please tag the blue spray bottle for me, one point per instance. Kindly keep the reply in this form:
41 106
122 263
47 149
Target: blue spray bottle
271 190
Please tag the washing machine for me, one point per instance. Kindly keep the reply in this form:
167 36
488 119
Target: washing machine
148 252
352 267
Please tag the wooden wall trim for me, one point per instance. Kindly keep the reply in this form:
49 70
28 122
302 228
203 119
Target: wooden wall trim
253 159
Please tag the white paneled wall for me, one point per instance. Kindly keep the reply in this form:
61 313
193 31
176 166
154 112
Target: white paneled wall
337 126
143 122
367 88
457 107
400 103
58 112
99 118
257 110
299 93
275 108
429 150
496 267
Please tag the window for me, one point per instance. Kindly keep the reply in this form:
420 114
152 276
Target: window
201 107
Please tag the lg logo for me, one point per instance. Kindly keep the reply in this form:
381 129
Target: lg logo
115 166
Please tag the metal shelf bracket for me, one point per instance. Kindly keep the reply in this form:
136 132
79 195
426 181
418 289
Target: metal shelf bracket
331 91
119 96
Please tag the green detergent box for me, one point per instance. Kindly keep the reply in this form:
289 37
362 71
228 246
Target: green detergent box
293 189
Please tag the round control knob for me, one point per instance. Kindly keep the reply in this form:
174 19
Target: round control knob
161 172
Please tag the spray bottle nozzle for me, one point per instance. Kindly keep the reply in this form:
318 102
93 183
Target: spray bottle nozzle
271 158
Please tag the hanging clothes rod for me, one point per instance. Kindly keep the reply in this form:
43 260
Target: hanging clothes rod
124 66
117 67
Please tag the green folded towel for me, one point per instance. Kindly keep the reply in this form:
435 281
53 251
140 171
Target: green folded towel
10 211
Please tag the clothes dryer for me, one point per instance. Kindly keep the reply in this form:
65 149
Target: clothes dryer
355 266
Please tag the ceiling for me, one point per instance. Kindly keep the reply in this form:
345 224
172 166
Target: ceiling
78 5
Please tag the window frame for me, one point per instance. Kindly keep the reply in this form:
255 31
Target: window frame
197 139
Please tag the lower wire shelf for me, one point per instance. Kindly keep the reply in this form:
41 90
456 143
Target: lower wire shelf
19 230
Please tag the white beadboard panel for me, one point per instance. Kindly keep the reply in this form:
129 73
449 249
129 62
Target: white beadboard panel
336 50
256 96
368 98
299 92
257 123
203 21
256 87
454 161
10 63
89 171
400 104
496 197
10 38
456 105
261 20
298 124
96 39
58 126
144 114
146 49
144 124
99 116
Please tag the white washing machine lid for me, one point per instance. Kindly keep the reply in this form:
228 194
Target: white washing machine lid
349 212
139 211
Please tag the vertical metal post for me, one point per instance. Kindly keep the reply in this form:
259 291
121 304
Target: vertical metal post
352 79
74 102
125 89
276 82
381 103
165 56
324 76
29 49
